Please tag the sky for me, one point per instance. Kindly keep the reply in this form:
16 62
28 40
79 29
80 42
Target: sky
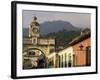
81 20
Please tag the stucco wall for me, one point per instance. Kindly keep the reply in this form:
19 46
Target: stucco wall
80 55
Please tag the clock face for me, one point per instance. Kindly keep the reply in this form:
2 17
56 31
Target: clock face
35 30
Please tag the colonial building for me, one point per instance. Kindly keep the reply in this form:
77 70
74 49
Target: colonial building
36 48
63 58
76 53
82 49
66 57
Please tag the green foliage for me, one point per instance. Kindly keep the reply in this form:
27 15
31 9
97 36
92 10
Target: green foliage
63 37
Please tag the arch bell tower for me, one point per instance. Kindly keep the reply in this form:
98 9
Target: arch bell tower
34 30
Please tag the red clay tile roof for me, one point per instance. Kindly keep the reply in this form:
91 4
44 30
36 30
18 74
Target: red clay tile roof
80 38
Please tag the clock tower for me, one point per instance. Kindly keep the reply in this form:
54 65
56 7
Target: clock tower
36 48
34 30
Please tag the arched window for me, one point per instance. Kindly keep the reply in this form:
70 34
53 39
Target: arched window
34 40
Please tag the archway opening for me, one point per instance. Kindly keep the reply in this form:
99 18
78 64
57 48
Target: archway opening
34 59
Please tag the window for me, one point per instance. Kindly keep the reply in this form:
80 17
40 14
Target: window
59 61
62 61
34 41
65 60
69 60
31 53
88 56
51 63
74 59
